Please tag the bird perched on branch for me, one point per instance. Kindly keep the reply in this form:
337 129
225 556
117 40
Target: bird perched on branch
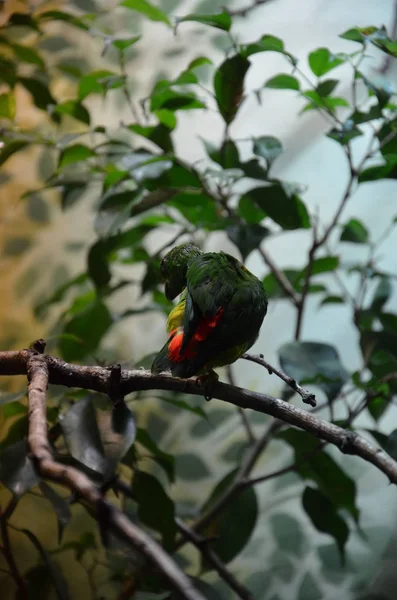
218 316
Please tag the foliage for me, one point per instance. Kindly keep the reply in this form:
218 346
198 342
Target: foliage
146 187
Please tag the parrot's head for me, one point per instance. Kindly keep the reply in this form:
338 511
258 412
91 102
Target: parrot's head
174 267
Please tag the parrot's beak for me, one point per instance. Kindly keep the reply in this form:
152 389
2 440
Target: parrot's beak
169 291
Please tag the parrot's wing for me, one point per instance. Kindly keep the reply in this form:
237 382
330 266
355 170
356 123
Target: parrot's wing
210 288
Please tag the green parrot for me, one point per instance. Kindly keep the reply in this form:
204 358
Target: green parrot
219 314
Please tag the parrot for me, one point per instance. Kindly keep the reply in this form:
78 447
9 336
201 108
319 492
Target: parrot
219 314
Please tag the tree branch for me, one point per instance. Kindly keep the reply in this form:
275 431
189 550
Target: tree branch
203 545
98 379
307 397
39 369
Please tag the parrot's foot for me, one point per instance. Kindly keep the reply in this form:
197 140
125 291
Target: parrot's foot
207 381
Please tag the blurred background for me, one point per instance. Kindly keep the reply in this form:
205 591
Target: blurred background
43 246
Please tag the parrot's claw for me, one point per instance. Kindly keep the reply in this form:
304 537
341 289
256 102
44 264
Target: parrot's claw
207 381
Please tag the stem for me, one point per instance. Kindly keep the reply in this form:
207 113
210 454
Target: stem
7 548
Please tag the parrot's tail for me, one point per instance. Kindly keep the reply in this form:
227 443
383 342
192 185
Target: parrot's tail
161 362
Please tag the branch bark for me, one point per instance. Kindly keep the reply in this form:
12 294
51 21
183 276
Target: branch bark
39 369
98 379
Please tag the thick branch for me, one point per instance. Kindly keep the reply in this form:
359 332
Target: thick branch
38 371
98 379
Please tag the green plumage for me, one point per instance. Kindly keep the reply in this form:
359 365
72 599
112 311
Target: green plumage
219 315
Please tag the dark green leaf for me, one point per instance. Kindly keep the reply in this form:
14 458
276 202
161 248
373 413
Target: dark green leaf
325 88
387 170
98 264
60 505
82 436
158 134
324 264
17 471
85 331
354 231
155 507
325 517
309 589
190 467
283 81
10 149
123 44
28 55
382 294
56 575
75 153
146 8
246 237
164 97
41 95
332 300
348 132
285 209
198 209
58 15
229 86
166 461
250 211
236 523
16 246
268 147
316 362
219 21
387 137
273 288
227 155
387 442
315 464
7 106
72 108
321 61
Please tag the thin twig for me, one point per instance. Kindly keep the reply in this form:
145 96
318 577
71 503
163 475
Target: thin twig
307 397
203 545
245 10
279 276
7 548
243 415
107 514
306 284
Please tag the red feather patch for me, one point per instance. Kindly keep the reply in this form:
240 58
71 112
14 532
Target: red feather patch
203 330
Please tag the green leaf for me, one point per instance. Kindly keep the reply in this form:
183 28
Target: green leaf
199 209
387 137
235 525
23 20
8 71
98 82
158 134
227 155
272 286
164 97
321 61
314 361
382 294
74 109
190 467
332 300
325 518
123 44
75 153
220 20
10 149
247 237
348 132
155 507
85 331
146 8
58 15
229 86
325 264
283 81
17 471
268 147
387 170
285 209
60 506
318 466
288 533
354 231
166 461
267 43
7 106
81 433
